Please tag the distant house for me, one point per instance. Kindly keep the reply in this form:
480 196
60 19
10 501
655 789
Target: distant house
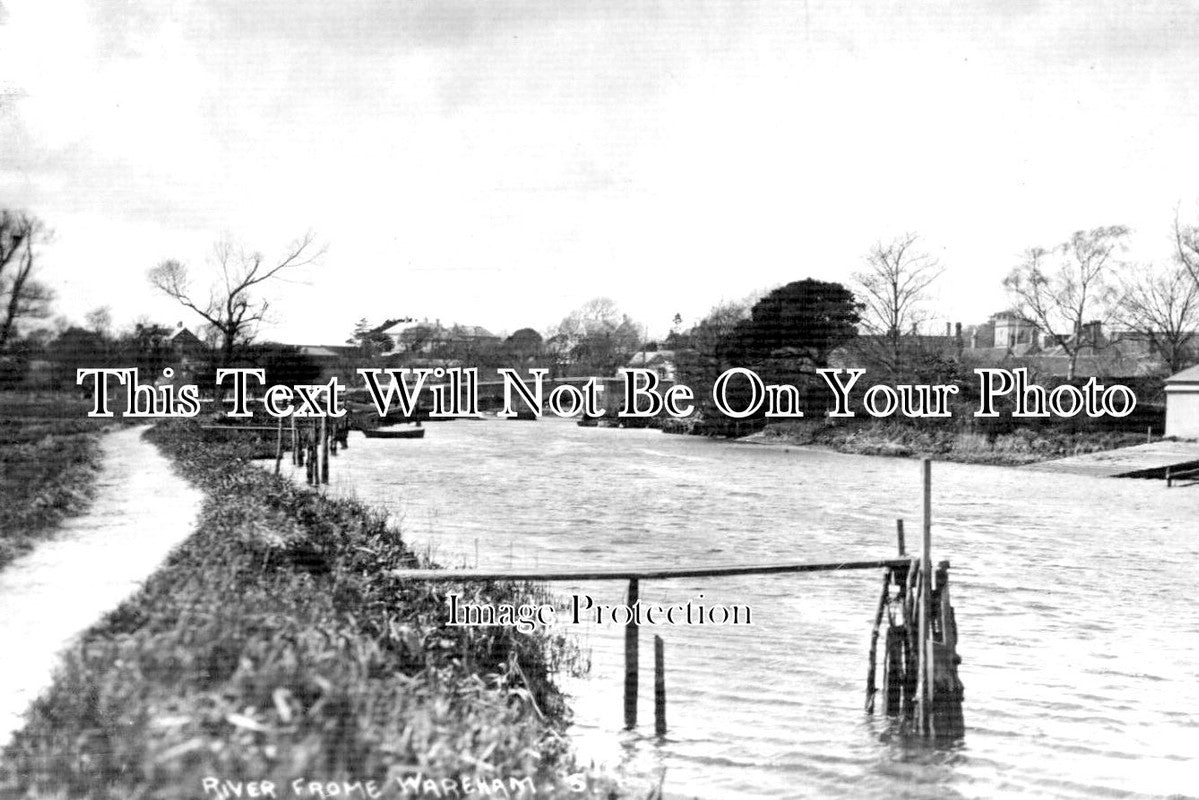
432 338
1010 339
1182 403
185 345
187 353
660 361
327 354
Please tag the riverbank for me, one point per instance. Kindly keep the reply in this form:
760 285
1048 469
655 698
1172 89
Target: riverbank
945 443
49 459
275 644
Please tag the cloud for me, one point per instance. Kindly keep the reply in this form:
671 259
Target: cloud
548 143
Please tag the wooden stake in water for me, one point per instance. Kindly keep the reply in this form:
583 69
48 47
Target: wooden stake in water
926 602
873 657
279 446
659 686
899 536
324 451
630 661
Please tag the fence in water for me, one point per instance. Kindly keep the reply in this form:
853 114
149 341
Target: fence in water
920 684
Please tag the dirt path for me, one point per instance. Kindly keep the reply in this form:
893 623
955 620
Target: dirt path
47 597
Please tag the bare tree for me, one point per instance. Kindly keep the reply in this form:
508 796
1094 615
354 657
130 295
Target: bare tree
21 295
1063 289
231 308
894 288
1162 305
1186 242
99 319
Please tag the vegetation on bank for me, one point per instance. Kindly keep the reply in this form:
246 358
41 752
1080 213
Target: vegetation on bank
276 644
947 442
49 458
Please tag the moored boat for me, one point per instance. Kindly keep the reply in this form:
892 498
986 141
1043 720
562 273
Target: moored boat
394 433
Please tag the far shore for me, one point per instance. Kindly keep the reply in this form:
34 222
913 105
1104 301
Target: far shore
1016 448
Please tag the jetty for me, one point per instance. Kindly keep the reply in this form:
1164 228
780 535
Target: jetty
914 619
1169 460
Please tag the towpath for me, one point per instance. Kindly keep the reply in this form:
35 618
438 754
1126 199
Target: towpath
142 509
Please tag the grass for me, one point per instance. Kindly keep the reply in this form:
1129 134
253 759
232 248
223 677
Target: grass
276 644
948 443
49 457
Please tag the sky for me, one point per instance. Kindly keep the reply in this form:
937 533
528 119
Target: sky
500 163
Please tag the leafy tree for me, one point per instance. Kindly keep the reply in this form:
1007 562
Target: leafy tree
284 363
148 346
76 348
524 344
598 336
802 321
370 339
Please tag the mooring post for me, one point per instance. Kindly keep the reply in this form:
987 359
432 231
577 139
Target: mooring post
324 450
926 602
899 536
279 446
659 686
630 661
873 655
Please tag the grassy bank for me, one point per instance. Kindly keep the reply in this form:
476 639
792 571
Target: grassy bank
948 443
49 457
276 645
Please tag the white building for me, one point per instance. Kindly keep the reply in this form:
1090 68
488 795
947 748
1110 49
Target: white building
1182 404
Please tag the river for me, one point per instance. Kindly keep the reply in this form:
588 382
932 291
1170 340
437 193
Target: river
1075 601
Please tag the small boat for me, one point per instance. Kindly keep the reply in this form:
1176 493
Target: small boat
394 433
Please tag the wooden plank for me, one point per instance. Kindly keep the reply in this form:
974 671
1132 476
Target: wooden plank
629 573
259 428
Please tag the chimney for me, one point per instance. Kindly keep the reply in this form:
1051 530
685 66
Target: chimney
974 340
948 328
957 329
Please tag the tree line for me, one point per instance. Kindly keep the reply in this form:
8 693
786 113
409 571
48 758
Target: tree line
1062 289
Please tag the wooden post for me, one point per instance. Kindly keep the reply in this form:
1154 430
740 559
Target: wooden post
295 443
630 661
279 446
873 656
310 455
925 639
324 451
899 535
659 686
1169 480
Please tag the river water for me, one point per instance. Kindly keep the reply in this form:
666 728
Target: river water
1075 600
